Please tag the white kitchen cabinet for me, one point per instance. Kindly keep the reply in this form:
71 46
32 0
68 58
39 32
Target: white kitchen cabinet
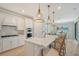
32 49
15 42
0 45
20 24
29 49
38 29
0 23
21 40
6 43
10 20
2 16
37 50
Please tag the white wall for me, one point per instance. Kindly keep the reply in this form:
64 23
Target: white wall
71 29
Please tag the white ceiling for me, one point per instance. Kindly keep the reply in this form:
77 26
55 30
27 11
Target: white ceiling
67 12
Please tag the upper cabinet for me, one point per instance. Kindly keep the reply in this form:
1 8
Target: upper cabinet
9 20
20 23
12 20
2 16
28 23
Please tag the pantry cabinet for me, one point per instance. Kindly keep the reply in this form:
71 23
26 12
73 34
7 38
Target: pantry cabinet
38 29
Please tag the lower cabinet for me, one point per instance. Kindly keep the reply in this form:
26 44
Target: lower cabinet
15 42
1 45
6 43
21 40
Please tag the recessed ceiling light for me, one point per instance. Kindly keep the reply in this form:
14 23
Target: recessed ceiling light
74 8
59 7
23 11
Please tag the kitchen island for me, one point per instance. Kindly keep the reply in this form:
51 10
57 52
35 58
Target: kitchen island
35 46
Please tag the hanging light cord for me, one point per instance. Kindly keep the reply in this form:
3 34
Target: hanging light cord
53 14
48 12
39 9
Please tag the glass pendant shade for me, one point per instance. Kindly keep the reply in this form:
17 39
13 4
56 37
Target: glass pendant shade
39 16
49 20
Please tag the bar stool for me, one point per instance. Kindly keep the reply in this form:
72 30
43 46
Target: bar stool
58 47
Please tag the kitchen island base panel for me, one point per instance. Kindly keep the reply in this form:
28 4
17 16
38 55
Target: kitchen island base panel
33 49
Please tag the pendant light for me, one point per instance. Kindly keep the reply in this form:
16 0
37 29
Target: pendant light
39 15
53 15
49 20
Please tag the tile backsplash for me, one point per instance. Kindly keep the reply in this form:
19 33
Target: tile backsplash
9 30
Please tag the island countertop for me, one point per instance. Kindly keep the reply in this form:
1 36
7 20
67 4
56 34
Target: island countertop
42 41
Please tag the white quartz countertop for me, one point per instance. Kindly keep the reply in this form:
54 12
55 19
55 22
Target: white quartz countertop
42 41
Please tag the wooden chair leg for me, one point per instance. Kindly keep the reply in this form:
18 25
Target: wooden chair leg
62 50
42 52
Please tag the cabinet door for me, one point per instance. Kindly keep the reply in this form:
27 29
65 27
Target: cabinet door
0 45
6 44
29 49
15 42
20 24
21 41
9 20
38 29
